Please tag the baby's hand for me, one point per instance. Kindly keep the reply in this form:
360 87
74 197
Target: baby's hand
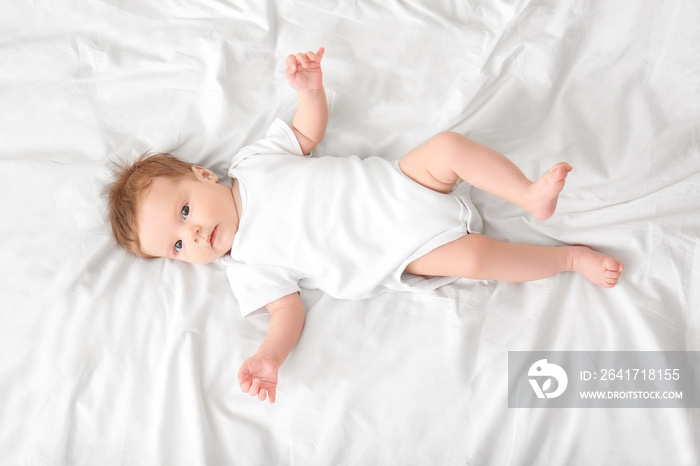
258 376
304 71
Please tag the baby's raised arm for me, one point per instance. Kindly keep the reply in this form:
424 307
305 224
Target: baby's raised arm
304 75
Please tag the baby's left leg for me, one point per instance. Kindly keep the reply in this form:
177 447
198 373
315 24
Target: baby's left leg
480 257
445 158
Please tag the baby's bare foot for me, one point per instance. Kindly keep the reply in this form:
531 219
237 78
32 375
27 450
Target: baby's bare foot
544 193
600 269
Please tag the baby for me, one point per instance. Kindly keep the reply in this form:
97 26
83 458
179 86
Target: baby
347 226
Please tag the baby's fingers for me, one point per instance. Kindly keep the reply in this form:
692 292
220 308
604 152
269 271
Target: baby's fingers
291 63
254 387
245 385
302 59
244 379
316 57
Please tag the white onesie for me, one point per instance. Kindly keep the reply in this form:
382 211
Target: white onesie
345 225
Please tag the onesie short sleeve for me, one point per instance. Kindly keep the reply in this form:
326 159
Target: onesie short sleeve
280 139
257 285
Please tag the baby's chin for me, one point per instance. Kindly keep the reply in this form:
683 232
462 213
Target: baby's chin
209 260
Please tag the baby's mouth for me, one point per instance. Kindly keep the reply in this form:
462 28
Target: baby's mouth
213 235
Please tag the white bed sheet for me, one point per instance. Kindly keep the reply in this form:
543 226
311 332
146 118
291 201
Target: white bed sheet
109 360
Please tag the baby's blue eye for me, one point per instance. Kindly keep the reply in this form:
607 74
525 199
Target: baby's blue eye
185 211
178 246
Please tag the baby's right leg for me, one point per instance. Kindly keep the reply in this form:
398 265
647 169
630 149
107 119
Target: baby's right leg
445 158
480 257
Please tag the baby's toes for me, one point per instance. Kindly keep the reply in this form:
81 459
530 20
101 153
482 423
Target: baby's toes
559 172
613 265
610 278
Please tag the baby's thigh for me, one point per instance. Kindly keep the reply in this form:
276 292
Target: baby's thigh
428 164
459 258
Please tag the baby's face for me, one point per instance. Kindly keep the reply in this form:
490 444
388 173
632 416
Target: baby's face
190 219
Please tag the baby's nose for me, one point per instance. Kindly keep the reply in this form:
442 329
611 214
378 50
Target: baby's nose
196 233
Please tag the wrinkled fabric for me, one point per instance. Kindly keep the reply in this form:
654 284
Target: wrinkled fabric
110 360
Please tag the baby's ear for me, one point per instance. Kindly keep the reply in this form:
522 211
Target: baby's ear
204 174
